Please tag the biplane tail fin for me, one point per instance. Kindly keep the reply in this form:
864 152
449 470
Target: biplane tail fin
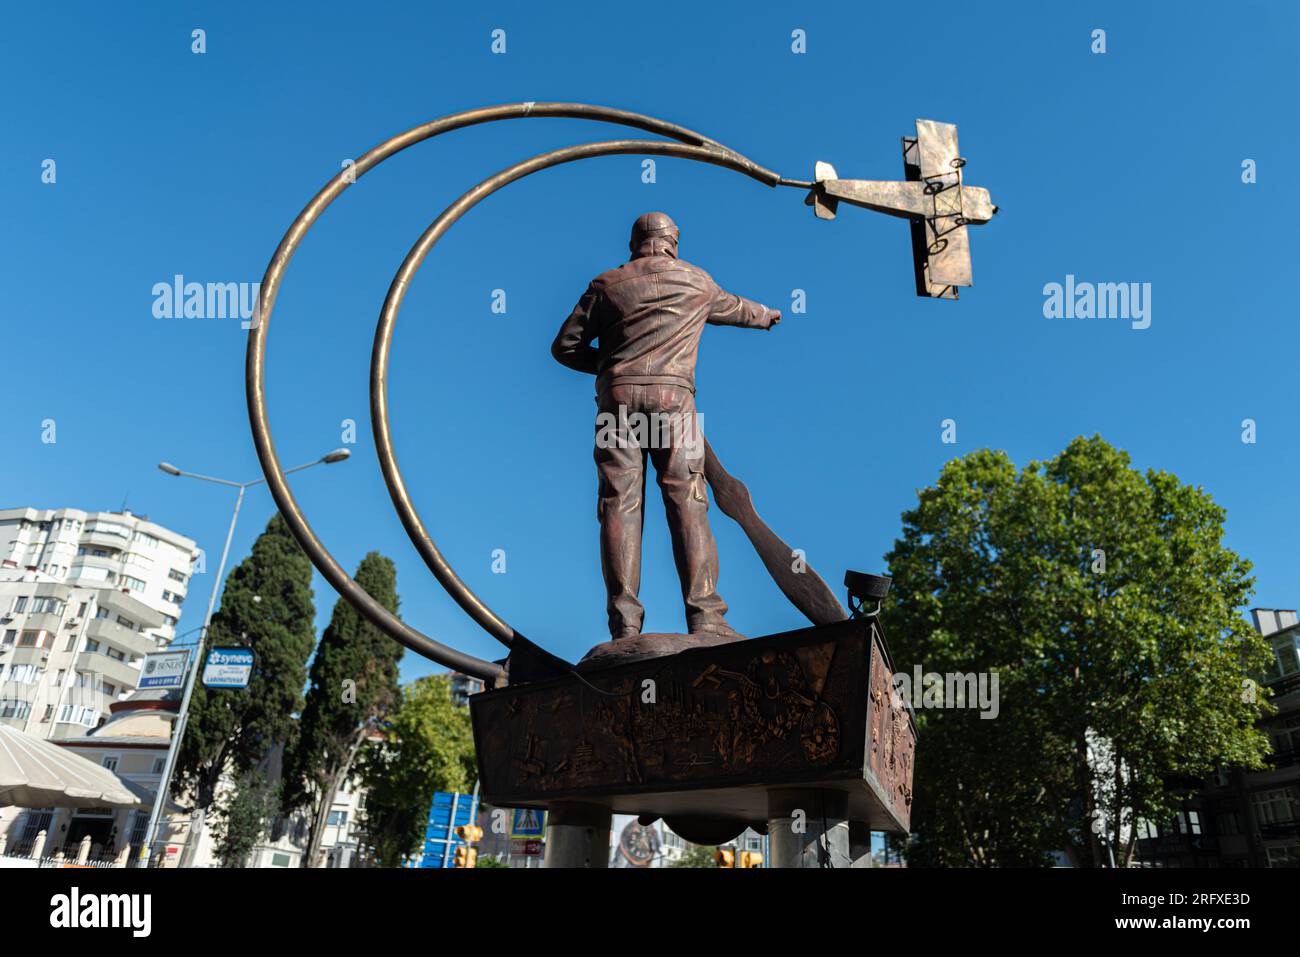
823 206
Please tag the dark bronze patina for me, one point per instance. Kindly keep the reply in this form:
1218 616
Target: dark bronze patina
647 316
809 707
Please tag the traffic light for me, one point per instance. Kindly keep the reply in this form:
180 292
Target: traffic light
751 859
724 857
466 855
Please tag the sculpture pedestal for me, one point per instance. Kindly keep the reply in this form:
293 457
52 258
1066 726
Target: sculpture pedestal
712 738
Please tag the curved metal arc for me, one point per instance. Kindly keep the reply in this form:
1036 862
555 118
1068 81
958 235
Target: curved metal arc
379 356
255 361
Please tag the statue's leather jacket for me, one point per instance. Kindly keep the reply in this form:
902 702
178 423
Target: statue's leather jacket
648 315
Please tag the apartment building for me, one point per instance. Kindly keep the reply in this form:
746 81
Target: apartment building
84 596
1246 818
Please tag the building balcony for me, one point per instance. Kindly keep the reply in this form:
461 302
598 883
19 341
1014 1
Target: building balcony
110 669
30 656
54 590
102 538
1280 830
107 631
128 606
43 621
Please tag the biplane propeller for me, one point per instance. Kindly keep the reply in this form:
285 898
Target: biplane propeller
933 198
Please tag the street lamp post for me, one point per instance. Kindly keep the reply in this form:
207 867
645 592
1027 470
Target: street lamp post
173 749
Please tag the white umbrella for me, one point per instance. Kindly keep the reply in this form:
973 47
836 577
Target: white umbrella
36 773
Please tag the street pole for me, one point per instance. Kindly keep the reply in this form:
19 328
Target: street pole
178 730
182 716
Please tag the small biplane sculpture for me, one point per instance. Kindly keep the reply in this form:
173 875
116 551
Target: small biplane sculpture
933 198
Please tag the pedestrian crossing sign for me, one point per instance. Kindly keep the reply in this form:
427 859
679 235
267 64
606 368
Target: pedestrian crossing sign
528 824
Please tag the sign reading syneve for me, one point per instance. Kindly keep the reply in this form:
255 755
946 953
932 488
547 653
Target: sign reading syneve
164 670
228 668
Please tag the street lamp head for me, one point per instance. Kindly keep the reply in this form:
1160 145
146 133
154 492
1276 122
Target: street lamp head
169 468
338 455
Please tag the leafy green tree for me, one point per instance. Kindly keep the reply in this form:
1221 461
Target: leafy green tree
243 815
696 855
426 745
353 682
266 605
1111 612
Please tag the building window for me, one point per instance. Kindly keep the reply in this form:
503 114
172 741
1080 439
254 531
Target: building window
135 584
13 708
337 818
158 765
1288 855
1227 823
1275 806
111 763
176 576
11 635
32 639
139 823
108 528
1285 734
25 674
47 606
126 623
76 714
49 712
20 604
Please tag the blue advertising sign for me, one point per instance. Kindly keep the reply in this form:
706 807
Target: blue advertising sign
449 811
228 668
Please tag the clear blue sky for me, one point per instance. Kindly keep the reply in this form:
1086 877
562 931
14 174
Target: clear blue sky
1117 167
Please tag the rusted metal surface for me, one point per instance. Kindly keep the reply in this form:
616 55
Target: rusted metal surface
706 732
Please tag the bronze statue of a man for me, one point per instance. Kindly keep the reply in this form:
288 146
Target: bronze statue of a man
647 316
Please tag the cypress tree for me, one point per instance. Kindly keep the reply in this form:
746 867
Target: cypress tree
353 682
266 605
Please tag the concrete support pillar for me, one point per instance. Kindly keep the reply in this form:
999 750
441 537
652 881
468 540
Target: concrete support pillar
807 827
859 844
577 835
